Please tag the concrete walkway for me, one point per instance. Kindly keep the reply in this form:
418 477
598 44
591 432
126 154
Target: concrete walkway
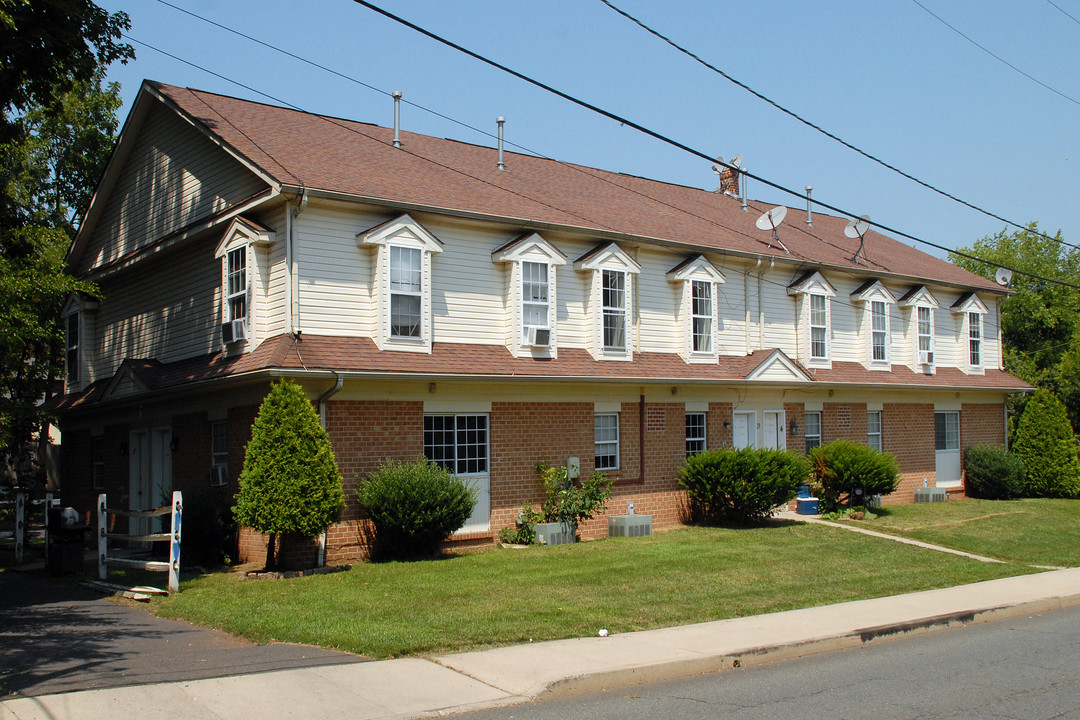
453 683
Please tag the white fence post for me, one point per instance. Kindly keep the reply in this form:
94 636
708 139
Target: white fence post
174 542
20 526
103 541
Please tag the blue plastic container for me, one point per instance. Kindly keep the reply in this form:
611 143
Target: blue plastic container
806 505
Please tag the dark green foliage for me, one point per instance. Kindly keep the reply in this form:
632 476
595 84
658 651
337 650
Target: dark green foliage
1046 444
843 468
414 506
290 483
993 473
209 532
564 501
524 532
728 486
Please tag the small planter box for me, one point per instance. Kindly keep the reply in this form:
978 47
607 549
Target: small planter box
555 533
629 525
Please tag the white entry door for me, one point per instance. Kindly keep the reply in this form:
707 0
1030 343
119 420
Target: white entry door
744 429
149 477
772 430
947 448
160 475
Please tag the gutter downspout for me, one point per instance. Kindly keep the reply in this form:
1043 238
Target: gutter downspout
339 380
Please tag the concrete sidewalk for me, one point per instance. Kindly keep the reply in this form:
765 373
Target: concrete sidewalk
453 683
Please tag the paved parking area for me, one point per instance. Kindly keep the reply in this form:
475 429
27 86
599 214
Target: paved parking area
57 637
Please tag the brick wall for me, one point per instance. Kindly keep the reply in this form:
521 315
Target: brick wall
716 434
907 431
843 420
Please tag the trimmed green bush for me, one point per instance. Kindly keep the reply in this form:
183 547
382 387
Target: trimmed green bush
992 473
564 501
413 507
728 486
1046 444
290 484
843 468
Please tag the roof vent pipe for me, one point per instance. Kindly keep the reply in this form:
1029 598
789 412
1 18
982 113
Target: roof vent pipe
397 117
500 121
809 212
745 180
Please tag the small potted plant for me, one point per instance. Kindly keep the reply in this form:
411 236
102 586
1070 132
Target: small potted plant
566 504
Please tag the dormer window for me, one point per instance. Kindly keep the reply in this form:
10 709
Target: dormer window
975 339
71 353
610 307
237 251
531 293
406 290
696 309
922 326
401 282
78 316
879 332
237 289
813 295
614 309
875 299
970 313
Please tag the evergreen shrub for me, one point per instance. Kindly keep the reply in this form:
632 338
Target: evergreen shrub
992 473
740 487
1047 446
843 468
413 507
290 484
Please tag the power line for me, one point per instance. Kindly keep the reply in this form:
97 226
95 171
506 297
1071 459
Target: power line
1000 59
1063 12
675 143
820 129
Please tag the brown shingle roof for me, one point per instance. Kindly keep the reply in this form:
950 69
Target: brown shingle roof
358 159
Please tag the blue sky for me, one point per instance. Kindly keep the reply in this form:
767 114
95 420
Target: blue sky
886 77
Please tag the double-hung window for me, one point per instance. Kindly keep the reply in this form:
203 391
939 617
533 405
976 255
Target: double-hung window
701 309
458 443
819 327
71 343
406 291
879 331
813 430
695 433
974 339
236 283
535 297
606 441
613 305
873 429
925 334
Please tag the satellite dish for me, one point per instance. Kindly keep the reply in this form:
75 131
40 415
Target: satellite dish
1003 276
736 162
857 227
772 219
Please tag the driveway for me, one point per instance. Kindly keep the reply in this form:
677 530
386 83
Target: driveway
57 637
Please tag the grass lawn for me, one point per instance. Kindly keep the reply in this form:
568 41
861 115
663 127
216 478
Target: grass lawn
543 593
1031 532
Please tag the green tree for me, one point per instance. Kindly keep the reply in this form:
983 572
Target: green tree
1040 324
290 484
57 126
1046 444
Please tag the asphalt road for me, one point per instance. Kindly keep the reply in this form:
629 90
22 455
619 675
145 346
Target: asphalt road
1022 669
57 637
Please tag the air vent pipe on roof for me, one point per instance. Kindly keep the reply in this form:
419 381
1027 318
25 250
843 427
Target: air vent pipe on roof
745 180
501 121
397 117
809 212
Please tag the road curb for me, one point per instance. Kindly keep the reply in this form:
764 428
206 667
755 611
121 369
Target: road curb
751 656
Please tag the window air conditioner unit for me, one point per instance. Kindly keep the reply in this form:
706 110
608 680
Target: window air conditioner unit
538 337
926 357
234 331
218 475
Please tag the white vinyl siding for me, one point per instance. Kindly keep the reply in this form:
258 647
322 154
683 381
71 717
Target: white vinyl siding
173 176
334 278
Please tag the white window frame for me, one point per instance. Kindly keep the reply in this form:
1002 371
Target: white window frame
924 337
72 359
975 335
696 440
812 431
616 311
219 455
877 333
540 280
606 441
873 429
237 283
698 302
470 432
819 331
399 290
950 438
